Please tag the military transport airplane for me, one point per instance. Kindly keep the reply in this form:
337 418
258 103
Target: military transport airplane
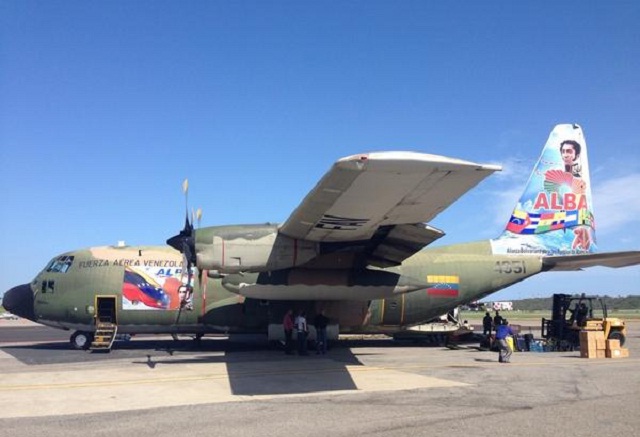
355 248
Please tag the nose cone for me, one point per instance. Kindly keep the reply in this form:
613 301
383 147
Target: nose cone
19 301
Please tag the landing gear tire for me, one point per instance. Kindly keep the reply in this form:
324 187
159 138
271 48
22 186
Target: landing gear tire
617 335
81 340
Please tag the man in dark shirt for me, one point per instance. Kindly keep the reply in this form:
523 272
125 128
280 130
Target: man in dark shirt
321 321
582 315
497 320
486 324
502 332
287 324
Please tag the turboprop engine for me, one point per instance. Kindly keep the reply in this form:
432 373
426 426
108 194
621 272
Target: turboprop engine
246 248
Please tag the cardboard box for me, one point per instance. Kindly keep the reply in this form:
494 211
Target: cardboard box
613 344
592 340
617 353
587 340
592 353
585 353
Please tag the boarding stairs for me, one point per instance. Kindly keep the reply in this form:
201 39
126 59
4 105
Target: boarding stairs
104 337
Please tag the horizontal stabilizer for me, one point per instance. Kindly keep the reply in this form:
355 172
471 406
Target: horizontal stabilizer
578 262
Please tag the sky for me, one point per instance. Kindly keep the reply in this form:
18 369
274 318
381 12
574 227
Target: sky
105 107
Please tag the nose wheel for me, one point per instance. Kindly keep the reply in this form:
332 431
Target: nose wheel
81 340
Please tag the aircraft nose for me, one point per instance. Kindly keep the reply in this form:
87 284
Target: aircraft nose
19 301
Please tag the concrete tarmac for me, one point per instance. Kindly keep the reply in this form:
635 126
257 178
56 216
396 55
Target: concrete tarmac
373 386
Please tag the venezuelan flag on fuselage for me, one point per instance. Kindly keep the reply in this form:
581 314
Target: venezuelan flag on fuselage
443 285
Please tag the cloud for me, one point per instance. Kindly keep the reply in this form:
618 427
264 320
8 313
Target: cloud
617 203
514 169
508 186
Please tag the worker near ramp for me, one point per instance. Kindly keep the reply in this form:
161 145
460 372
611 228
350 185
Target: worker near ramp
321 321
301 332
487 323
504 350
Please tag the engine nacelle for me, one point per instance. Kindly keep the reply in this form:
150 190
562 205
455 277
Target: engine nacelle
253 248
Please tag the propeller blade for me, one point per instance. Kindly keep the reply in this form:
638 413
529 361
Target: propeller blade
199 215
184 241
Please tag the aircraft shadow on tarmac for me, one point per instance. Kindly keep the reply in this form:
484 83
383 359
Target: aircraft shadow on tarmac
248 361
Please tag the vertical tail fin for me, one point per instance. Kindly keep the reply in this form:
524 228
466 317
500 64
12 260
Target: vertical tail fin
554 215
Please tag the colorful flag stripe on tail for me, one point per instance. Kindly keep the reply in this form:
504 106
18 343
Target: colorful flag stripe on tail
531 223
443 285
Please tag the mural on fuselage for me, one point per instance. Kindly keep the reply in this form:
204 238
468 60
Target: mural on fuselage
554 216
144 289
153 288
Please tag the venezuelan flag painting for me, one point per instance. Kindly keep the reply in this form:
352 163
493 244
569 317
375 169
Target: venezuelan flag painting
443 285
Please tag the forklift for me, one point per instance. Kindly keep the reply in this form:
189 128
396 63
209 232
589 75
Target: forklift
574 313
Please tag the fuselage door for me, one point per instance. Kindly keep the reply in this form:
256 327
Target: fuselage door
106 309
393 311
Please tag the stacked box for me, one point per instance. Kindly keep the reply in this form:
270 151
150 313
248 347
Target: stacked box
601 342
622 352
614 350
592 344
613 344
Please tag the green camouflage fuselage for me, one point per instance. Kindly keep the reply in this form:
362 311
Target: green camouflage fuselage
453 275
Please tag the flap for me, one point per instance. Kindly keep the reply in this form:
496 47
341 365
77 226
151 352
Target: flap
402 242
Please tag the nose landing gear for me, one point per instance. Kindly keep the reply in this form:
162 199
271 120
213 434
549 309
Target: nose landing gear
81 340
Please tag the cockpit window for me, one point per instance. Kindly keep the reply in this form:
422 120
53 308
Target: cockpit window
60 264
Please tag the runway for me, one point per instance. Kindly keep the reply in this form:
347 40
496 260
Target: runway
155 387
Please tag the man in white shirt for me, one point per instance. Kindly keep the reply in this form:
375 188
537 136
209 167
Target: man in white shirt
301 332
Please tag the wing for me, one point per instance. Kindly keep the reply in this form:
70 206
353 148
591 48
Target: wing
578 262
381 200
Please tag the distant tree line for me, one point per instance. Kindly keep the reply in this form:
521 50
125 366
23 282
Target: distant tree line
545 303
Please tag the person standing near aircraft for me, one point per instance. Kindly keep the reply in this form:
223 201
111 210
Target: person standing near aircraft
287 324
504 350
301 331
486 324
497 320
321 321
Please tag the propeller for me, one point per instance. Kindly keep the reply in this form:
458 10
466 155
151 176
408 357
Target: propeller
185 243
185 240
